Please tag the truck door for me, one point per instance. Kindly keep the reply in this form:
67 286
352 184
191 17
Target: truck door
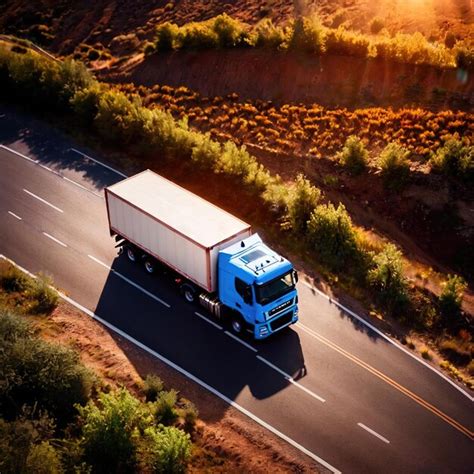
244 299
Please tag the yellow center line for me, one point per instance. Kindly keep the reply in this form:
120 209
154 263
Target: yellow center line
390 381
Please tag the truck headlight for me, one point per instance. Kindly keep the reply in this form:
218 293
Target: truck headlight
263 330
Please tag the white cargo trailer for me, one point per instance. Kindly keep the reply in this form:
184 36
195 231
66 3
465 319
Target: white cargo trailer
173 225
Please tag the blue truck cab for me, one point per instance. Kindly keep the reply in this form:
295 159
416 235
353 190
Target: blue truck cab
258 284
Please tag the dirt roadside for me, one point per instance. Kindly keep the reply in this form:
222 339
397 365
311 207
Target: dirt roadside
231 443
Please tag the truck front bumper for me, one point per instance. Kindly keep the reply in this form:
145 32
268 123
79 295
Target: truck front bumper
262 331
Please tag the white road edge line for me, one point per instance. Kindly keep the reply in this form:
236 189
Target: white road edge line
233 336
190 376
54 239
48 168
43 200
99 162
291 379
366 428
218 326
82 187
389 339
14 215
11 150
130 282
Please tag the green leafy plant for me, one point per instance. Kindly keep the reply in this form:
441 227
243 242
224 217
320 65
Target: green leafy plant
451 297
386 277
393 162
354 155
332 236
454 158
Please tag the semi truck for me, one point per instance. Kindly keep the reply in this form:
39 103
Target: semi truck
213 257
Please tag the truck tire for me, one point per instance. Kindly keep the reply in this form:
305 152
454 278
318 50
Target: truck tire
236 324
189 292
132 254
150 266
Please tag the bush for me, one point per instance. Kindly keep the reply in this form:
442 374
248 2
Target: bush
354 155
308 35
393 161
35 372
109 430
454 158
450 300
387 278
190 414
303 198
166 37
46 298
14 280
165 449
43 459
152 387
268 35
464 55
230 32
165 407
332 236
455 352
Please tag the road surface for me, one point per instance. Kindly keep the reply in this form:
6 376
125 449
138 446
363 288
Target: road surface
332 386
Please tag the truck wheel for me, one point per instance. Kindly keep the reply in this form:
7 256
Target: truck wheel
236 324
150 266
189 292
131 254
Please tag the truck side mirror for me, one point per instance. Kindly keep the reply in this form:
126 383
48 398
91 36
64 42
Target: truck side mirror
295 276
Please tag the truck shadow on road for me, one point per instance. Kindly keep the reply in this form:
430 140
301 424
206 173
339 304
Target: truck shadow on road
197 347
41 141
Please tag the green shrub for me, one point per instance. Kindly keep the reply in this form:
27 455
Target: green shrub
344 42
165 450
165 407
308 35
35 372
109 431
268 35
455 352
354 155
43 459
303 198
464 55
190 414
13 279
387 278
152 387
19 437
13 328
332 236
231 33
45 297
149 48
450 300
166 37
393 161
454 158
426 354
197 36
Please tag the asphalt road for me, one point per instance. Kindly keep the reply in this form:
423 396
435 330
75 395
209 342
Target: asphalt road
330 383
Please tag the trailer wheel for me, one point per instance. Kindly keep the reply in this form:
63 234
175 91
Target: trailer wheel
131 254
189 292
150 266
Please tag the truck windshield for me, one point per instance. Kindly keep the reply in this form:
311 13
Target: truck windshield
274 289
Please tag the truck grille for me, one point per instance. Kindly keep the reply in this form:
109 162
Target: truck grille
282 321
280 307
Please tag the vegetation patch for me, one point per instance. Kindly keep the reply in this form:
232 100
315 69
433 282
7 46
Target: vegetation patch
307 34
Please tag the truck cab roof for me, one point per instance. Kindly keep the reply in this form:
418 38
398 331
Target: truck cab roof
256 260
